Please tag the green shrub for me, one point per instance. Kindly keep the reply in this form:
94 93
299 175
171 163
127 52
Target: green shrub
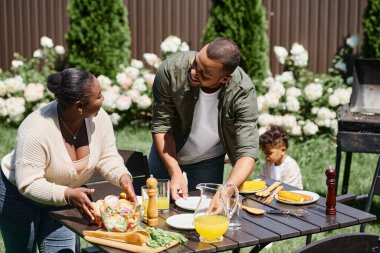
99 36
371 23
244 22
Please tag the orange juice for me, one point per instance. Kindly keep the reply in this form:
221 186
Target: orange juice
162 203
145 203
211 226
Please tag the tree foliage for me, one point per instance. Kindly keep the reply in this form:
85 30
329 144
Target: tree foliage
371 23
99 36
244 22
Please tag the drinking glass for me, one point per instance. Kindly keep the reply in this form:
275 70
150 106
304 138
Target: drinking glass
145 199
235 221
162 197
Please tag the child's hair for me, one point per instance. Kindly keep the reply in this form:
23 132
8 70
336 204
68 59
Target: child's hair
275 136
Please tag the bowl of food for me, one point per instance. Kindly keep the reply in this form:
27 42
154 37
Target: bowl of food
121 216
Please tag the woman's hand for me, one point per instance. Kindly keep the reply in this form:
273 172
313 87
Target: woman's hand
77 197
127 187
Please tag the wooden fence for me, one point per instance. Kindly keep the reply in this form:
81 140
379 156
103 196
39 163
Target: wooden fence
321 26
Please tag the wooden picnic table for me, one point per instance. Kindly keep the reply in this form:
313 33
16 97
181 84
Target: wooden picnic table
256 230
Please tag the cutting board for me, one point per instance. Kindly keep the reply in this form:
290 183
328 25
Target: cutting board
126 246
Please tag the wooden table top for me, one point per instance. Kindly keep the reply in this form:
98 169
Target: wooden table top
255 230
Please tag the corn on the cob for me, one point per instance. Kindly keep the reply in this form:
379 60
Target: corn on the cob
289 200
253 185
294 197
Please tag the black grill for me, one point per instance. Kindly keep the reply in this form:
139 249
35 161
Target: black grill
365 96
359 122
363 112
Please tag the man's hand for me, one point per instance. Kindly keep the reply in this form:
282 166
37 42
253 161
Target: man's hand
215 206
127 187
165 146
228 196
177 183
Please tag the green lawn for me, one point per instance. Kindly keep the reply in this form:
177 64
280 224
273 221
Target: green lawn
313 156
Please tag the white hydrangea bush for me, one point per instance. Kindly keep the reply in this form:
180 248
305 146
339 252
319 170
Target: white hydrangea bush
23 87
127 96
303 102
173 44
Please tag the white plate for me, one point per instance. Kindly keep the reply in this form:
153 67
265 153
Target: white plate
189 204
181 221
312 194
254 191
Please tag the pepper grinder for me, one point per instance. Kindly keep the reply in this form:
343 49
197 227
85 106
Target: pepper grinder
330 198
152 204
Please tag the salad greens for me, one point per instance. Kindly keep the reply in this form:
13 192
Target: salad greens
162 238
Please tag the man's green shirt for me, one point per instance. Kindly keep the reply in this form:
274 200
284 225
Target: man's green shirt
175 99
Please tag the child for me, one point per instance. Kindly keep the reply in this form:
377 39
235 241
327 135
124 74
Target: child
278 165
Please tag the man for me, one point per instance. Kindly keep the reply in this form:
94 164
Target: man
204 106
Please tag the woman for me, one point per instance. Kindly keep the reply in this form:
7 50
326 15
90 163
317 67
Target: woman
58 148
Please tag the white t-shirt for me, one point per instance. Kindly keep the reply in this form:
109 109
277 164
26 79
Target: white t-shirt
203 142
288 172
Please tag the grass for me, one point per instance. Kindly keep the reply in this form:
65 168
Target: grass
313 157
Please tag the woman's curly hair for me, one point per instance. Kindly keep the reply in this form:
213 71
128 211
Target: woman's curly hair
275 136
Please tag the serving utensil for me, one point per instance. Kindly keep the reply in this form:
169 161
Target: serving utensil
137 238
270 198
267 191
252 210
297 212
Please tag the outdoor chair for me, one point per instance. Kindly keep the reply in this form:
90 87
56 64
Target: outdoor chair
137 164
355 242
375 190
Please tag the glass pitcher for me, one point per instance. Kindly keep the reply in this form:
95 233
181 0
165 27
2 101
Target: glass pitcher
214 210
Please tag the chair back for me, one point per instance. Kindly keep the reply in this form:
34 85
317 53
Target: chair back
137 164
376 180
375 190
355 242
